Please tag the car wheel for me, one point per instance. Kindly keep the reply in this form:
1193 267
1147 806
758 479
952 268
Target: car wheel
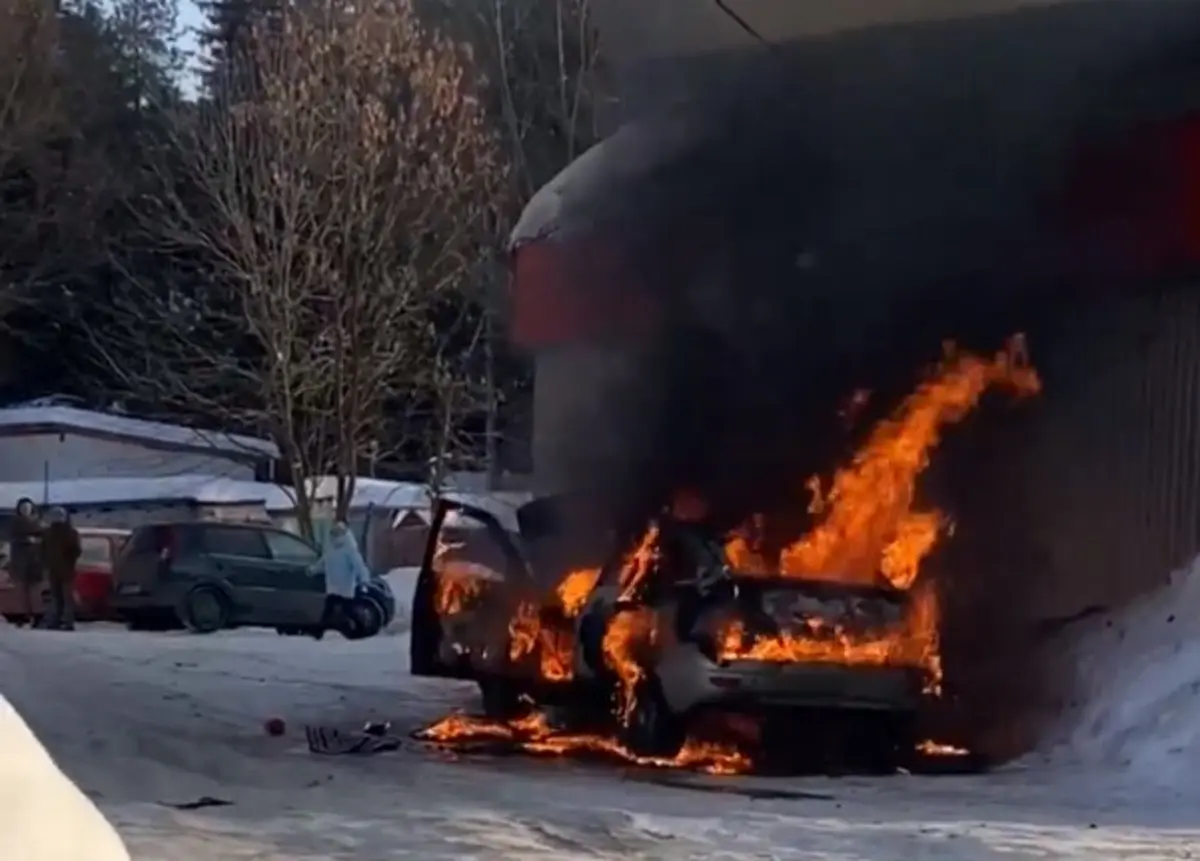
651 729
500 699
884 743
363 619
205 610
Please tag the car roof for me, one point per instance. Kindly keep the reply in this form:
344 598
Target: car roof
173 524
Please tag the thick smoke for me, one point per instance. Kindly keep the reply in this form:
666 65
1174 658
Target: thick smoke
837 214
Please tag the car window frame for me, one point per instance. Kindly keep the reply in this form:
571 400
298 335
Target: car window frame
209 546
132 546
100 540
314 554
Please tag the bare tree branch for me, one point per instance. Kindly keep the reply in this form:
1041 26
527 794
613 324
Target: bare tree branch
340 210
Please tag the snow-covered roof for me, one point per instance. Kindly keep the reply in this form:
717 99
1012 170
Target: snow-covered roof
213 490
88 421
615 167
200 489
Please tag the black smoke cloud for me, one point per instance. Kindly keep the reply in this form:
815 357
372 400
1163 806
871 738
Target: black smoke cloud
841 209
832 211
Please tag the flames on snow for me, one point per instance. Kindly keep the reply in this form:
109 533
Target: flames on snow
866 525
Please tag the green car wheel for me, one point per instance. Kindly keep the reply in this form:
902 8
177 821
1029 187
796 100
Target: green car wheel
205 610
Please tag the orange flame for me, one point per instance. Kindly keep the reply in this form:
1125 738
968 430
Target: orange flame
574 589
868 526
631 636
933 748
534 734
545 630
639 563
457 584
868 529
553 644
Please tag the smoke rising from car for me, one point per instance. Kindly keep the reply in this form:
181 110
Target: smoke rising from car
822 233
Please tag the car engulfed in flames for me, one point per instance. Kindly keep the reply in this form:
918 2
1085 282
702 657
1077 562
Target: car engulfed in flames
693 643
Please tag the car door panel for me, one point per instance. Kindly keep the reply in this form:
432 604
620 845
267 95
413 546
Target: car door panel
483 567
299 598
250 583
592 625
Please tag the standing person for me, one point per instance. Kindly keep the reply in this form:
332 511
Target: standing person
345 573
24 564
60 553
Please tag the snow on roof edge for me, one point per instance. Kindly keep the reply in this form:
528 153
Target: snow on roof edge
628 156
136 428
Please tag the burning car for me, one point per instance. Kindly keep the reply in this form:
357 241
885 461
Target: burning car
662 632
693 617
713 637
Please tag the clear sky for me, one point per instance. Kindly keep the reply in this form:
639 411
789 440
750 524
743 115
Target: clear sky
189 15
190 19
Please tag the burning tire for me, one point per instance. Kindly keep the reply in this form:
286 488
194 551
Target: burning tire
650 728
884 743
500 698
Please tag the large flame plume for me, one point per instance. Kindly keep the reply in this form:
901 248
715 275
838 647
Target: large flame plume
867 530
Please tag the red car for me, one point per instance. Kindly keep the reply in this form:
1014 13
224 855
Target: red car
93 578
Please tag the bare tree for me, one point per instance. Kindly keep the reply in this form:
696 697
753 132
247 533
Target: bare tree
545 89
548 82
335 221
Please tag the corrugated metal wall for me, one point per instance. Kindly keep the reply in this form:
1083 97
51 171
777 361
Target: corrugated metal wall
1111 468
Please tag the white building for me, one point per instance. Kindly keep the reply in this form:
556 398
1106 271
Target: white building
56 443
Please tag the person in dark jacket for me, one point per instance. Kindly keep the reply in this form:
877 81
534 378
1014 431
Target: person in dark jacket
25 562
60 552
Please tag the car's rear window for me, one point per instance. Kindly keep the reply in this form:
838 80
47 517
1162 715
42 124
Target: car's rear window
144 540
95 550
236 541
178 538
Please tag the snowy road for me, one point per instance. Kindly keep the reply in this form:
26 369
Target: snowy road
143 720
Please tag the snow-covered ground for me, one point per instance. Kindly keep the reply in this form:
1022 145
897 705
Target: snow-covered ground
144 721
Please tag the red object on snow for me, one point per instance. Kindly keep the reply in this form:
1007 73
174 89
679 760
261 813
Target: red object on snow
275 726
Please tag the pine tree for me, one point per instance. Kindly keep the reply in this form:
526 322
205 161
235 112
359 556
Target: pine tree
230 24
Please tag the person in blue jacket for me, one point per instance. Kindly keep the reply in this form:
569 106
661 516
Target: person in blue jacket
345 574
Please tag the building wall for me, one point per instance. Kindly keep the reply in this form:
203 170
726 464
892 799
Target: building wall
1109 460
36 457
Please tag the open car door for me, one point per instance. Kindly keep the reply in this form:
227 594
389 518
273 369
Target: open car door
471 573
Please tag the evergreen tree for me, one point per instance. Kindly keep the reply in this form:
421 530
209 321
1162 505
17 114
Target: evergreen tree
230 24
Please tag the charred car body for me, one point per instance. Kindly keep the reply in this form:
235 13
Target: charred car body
656 639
